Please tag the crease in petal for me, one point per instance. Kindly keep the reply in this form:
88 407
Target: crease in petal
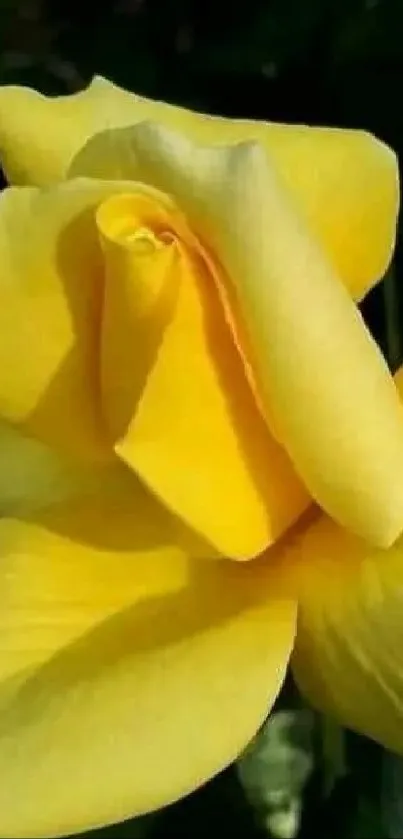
321 376
118 649
174 390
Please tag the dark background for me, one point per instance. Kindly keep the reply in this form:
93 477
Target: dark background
335 62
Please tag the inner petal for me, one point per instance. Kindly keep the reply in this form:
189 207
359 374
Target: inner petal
140 253
175 393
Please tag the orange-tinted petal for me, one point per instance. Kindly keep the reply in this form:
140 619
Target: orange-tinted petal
130 671
320 374
174 389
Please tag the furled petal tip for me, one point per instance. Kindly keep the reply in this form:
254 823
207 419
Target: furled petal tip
174 388
321 376
344 181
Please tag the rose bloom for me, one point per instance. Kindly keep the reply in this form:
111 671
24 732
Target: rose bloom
201 447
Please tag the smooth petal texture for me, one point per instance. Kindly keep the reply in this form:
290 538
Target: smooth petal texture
88 370
50 297
347 660
345 182
347 656
130 672
321 375
32 475
174 388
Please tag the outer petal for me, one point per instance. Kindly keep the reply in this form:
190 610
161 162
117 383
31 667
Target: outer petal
50 297
348 653
196 432
321 375
348 656
345 182
130 671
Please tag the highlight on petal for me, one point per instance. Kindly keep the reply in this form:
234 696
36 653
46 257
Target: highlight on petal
130 672
344 182
322 377
174 390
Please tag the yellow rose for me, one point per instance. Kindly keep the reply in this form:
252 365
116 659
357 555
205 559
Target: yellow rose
184 372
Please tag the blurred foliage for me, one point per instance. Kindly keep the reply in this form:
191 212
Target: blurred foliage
335 62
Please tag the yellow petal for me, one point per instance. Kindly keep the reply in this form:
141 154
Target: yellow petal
350 626
174 389
50 299
131 672
345 182
33 475
51 304
322 377
347 658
